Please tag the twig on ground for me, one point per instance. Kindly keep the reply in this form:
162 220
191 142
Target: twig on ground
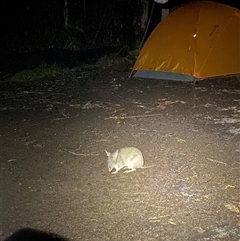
62 118
131 116
80 154
216 161
11 160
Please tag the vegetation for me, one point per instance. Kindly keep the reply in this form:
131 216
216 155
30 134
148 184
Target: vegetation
38 73
113 62
73 24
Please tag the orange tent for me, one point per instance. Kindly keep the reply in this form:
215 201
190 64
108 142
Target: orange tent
198 40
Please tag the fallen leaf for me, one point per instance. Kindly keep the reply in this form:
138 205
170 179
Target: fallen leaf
200 230
230 186
232 208
168 102
180 140
207 196
171 222
182 102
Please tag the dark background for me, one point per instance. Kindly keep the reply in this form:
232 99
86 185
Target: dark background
28 25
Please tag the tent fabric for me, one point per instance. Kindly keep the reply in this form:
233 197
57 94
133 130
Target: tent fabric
198 40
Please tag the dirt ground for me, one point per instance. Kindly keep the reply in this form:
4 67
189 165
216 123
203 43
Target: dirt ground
54 170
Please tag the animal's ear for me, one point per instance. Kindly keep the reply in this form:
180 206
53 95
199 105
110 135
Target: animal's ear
107 153
115 154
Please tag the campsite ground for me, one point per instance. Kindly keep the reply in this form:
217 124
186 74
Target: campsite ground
54 174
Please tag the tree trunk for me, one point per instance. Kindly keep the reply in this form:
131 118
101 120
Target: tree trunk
144 17
140 22
66 14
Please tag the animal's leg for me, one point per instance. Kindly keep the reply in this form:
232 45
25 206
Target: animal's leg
131 170
115 172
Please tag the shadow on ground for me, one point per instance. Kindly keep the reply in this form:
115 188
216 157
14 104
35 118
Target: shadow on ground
27 234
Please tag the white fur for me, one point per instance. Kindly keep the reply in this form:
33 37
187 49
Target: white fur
127 158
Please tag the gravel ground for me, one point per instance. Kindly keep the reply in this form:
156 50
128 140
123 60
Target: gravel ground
54 172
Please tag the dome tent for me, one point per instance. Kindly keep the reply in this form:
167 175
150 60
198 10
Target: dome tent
197 40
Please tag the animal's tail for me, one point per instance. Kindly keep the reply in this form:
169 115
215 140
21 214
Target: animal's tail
148 166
